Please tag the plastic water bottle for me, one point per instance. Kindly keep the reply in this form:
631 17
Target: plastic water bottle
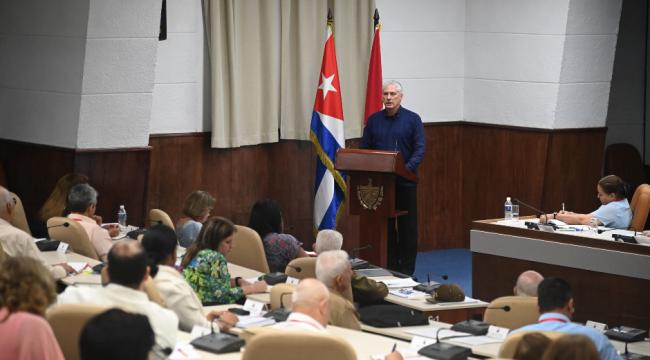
121 216
508 209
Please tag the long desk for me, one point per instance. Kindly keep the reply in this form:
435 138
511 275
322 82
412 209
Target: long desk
610 280
485 350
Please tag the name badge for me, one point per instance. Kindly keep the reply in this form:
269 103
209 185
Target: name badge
292 280
419 342
600 327
256 308
63 247
496 332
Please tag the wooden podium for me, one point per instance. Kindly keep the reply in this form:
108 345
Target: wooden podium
372 196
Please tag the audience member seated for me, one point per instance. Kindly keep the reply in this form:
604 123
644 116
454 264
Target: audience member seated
532 346
572 347
555 301
125 274
26 290
55 205
615 209
310 308
333 269
527 283
196 210
16 242
205 267
160 244
365 290
82 203
266 219
131 337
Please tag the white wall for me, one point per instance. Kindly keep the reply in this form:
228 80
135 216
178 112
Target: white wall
179 90
42 46
423 48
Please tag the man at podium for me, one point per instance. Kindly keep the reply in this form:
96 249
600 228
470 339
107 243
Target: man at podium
398 129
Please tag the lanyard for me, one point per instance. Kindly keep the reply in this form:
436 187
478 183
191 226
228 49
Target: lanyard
553 319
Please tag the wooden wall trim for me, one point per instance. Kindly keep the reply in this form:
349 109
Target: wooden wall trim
468 170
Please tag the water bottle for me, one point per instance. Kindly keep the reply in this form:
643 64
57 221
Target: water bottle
121 216
508 209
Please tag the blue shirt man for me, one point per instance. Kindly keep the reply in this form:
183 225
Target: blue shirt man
555 302
398 129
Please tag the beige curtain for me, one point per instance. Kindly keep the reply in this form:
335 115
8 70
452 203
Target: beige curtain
243 42
303 37
265 60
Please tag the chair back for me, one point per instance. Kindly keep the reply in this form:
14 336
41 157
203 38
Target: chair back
640 206
508 348
281 295
625 161
294 345
74 234
248 250
18 218
157 216
523 311
67 322
307 266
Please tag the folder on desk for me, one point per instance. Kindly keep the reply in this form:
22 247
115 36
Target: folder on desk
376 272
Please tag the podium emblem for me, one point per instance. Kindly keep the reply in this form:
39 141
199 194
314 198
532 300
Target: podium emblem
370 196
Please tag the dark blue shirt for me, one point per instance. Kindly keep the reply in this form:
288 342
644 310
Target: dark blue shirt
403 132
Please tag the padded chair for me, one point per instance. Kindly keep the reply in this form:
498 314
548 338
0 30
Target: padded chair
625 161
74 234
523 311
18 218
157 216
307 266
248 250
640 206
67 322
281 295
508 348
294 345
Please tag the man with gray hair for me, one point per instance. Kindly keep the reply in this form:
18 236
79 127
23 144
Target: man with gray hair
82 203
334 270
396 128
327 240
527 283
310 308
15 242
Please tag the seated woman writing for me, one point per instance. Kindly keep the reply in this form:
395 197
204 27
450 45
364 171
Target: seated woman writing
614 212
206 270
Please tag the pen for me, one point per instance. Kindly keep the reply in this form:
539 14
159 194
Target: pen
394 347
562 206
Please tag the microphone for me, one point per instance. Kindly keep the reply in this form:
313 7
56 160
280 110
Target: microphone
505 308
536 210
355 251
296 268
430 286
65 224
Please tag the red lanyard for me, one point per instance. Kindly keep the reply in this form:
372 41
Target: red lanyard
553 319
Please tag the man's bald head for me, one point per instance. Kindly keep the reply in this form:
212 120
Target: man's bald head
311 297
127 263
527 283
6 204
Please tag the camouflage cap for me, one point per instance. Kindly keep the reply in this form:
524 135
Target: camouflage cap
447 293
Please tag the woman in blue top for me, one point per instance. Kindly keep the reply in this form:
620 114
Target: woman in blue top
280 249
206 269
615 210
196 210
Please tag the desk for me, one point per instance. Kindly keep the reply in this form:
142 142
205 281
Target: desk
486 350
604 274
55 257
364 344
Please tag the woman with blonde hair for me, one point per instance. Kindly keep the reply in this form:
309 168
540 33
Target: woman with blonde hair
26 291
56 203
572 347
196 210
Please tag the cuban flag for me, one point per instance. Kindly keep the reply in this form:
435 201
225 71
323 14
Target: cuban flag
327 135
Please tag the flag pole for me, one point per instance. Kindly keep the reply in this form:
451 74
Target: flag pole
376 17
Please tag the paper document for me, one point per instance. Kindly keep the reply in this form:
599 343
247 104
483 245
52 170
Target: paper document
184 351
77 266
399 283
408 293
475 340
249 321
468 300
